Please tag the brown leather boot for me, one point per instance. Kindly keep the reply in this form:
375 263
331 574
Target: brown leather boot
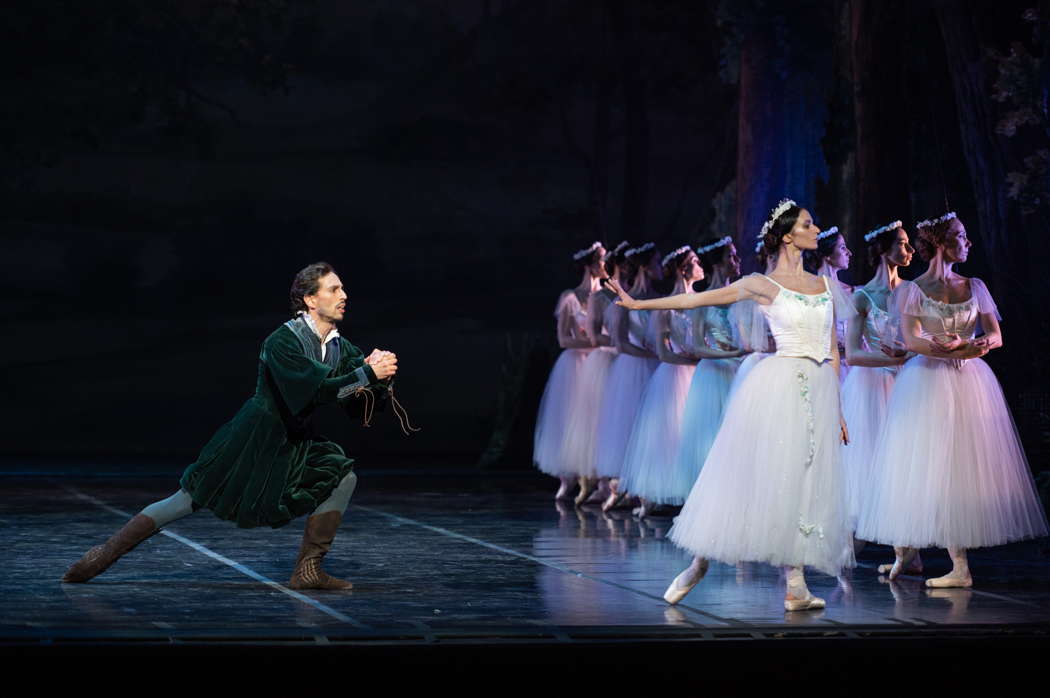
98 559
317 541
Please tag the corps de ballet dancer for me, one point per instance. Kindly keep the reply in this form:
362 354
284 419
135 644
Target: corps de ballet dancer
771 489
714 343
571 322
874 361
581 431
948 470
630 371
831 257
648 462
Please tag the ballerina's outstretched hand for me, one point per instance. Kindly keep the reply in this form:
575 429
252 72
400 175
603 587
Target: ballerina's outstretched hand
625 298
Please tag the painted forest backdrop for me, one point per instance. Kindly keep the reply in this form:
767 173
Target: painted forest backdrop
169 165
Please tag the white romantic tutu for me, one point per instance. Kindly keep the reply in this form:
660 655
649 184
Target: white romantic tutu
865 396
704 408
581 431
648 463
623 396
749 362
554 412
771 489
949 470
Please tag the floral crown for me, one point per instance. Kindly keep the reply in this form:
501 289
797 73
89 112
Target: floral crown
714 245
638 250
776 213
833 230
671 255
759 245
577 256
616 250
882 229
934 221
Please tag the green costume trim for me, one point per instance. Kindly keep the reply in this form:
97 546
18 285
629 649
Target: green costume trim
266 466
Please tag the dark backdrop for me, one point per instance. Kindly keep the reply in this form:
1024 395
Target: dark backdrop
170 165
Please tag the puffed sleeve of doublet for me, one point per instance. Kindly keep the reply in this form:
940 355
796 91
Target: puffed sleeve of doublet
906 299
985 304
298 378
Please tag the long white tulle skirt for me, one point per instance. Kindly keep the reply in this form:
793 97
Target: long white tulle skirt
648 463
554 412
579 450
628 377
701 419
949 470
771 489
749 362
865 400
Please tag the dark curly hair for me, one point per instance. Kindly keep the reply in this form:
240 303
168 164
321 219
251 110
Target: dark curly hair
635 262
586 261
307 283
709 260
929 237
675 264
781 227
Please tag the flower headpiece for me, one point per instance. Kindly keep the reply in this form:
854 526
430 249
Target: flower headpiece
638 250
833 230
616 250
759 245
577 256
671 255
879 231
934 221
714 245
776 213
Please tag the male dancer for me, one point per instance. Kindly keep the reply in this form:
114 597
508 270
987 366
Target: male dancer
267 466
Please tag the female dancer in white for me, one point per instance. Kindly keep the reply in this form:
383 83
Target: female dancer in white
630 371
648 463
771 489
874 361
948 470
831 257
562 384
581 431
709 390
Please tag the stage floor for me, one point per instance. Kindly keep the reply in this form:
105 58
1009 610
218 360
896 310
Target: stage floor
450 559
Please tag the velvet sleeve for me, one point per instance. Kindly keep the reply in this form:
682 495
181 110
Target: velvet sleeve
298 378
352 376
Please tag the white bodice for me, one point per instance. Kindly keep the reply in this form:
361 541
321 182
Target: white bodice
718 330
801 323
939 319
638 327
681 331
569 303
876 325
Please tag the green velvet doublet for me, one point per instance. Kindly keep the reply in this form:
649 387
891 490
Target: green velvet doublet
266 466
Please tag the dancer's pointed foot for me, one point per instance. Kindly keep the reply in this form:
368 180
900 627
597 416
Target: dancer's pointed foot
613 501
563 490
685 581
913 567
798 597
99 558
587 486
903 562
952 580
601 494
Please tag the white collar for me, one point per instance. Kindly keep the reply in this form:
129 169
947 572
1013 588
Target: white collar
308 319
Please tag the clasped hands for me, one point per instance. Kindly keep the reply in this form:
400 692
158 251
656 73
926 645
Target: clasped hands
383 363
952 342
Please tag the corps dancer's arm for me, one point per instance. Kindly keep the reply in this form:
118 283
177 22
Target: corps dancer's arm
621 338
915 342
833 339
664 352
566 338
855 352
596 305
993 335
706 352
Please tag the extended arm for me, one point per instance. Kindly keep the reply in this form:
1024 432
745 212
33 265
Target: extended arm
747 288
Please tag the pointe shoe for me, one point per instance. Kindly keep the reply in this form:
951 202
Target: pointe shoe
913 567
600 494
952 580
810 603
903 562
586 488
562 493
684 582
614 500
